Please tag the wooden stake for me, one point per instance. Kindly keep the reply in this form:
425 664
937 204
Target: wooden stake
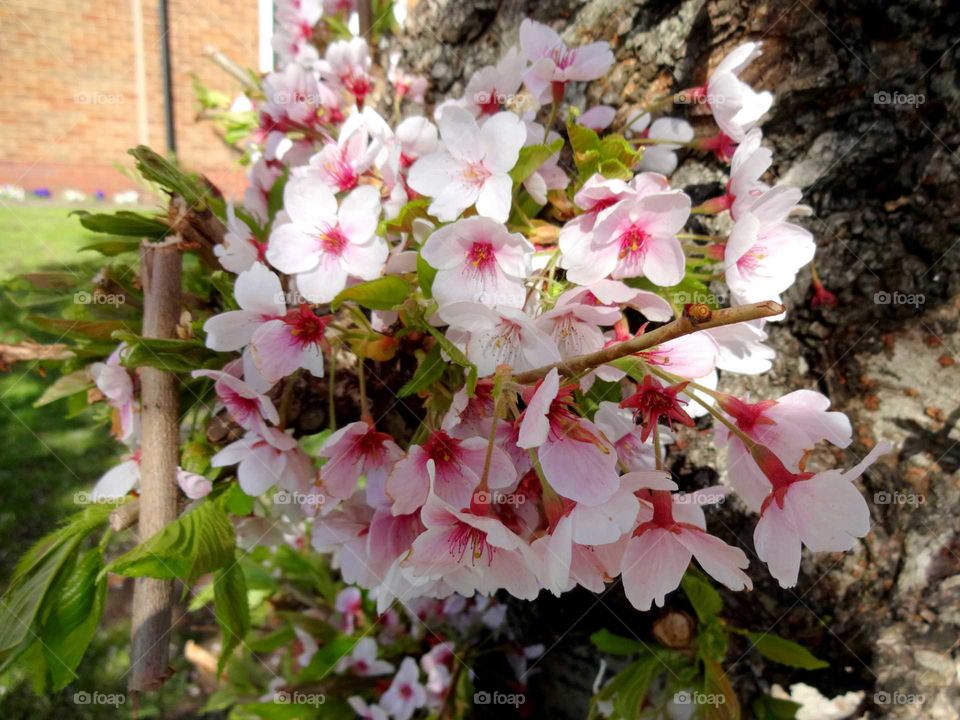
160 270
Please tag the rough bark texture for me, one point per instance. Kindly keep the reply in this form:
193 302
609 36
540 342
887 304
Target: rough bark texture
881 179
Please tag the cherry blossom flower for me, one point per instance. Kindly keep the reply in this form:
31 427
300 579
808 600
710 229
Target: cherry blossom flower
354 450
498 336
549 176
250 409
349 603
341 165
662 157
741 349
363 661
492 87
598 118
636 238
574 326
618 426
614 293
405 84
764 251
735 105
279 340
577 460
118 480
458 465
472 553
365 711
347 62
660 549
823 511
478 260
192 485
116 384
554 64
788 427
653 401
324 245
417 137
405 694
264 459
293 99
239 249
345 534
473 167
750 161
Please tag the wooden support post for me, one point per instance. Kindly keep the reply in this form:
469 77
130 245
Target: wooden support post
160 270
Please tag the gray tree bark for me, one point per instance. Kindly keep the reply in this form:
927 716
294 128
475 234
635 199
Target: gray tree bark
879 172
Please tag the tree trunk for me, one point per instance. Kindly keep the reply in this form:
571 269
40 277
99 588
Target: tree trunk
866 124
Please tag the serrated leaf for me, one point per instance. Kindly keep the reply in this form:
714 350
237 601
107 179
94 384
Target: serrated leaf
606 642
381 294
786 652
232 609
65 386
425 276
706 601
125 223
531 158
197 542
430 371
614 169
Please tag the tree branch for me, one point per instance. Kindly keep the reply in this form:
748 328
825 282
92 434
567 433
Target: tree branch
696 317
160 271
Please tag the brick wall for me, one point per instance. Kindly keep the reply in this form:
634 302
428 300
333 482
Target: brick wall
68 90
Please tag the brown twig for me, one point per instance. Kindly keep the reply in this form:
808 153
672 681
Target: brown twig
697 317
160 270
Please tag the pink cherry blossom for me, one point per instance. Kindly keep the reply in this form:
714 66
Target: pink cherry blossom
662 546
823 511
575 327
614 293
735 105
478 260
472 553
788 427
324 245
750 161
250 409
239 249
116 482
349 603
492 87
362 660
345 533
549 176
741 348
267 458
366 711
554 64
347 63
116 384
405 84
662 157
498 336
192 485
635 239
598 118
458 466
293 99
617 425
764 251
405 694
342 164
473 167
577 460
354 450
417 137
278 340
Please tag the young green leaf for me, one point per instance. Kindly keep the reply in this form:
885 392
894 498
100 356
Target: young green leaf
381 294
786 652
766 707
606 642
531 158
706 601
232 609
430 370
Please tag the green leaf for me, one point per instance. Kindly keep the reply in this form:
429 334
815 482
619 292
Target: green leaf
766 707
532 157
628 689
73 618
616 147
614 169
425 275
430 371
65 386
381 294
606 642
455 354
414 209
125 223
706 601
232 609
114 246
167 175
197 542
275 196
166 354
716 686
786 652
96 329
237 502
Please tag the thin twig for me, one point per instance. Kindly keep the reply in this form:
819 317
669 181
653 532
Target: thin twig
697 317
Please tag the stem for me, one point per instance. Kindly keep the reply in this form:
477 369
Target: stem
657 449
331 390
286 397
362 380
497 409
160 272
698 317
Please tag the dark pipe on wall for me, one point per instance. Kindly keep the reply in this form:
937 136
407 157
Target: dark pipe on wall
169 123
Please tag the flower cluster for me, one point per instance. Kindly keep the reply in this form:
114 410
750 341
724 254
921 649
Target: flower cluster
531 265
